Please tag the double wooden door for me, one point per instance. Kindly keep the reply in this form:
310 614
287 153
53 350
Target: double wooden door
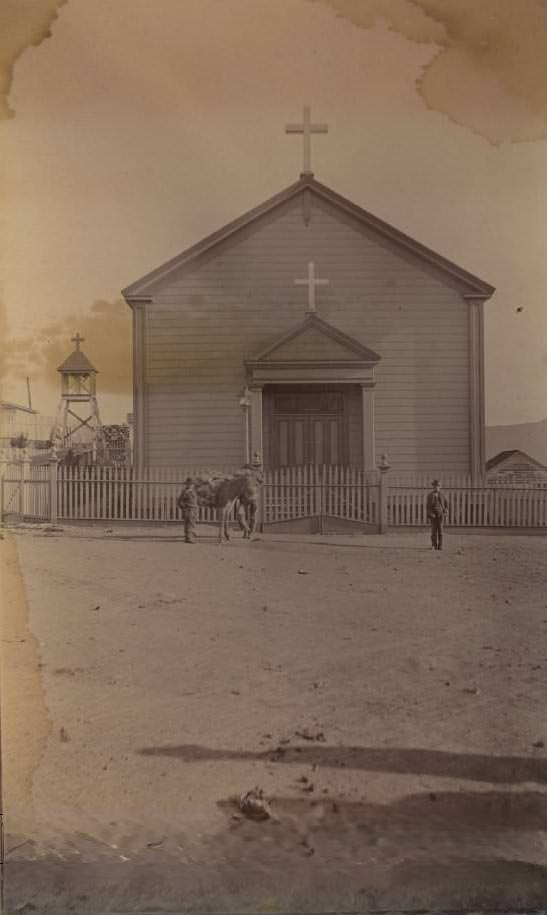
308 427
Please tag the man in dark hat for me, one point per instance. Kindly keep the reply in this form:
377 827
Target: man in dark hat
437 512
188 504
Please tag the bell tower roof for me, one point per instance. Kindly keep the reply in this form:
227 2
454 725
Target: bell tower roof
77 361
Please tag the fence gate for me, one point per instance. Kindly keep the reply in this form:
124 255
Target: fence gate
320 499
25 491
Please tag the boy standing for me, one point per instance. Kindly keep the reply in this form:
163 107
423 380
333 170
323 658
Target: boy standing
437 512
188 504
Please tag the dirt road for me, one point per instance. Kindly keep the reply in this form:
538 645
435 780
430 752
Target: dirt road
388 699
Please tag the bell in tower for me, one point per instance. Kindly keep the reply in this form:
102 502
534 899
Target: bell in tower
78 425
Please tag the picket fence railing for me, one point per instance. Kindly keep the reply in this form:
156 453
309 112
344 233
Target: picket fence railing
98 493
123 494
26 490
348 493
487 504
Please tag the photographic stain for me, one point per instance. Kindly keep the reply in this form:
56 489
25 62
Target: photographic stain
486 72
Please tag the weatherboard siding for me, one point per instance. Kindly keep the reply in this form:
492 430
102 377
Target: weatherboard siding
231 304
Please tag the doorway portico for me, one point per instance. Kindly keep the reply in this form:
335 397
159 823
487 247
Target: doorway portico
311 398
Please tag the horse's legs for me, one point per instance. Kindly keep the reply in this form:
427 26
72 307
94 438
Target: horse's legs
220 510
253 510
240 514
242 518
224 511
244 511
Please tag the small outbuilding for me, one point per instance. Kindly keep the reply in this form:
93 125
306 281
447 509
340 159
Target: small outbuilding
515 466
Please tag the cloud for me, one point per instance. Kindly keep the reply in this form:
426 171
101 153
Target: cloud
489 70
106 328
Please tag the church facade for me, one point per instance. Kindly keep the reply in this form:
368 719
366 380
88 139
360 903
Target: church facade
308 331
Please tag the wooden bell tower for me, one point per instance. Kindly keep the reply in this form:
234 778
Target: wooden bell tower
78 424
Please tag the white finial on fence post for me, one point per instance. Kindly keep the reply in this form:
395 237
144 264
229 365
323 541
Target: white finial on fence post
384 464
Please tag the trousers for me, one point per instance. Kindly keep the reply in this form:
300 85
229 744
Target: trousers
190 520
437 531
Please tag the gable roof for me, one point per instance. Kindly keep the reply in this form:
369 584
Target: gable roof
503 456
77 362
340 348
471 285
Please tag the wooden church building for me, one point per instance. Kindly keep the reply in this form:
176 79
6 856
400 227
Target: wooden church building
308 331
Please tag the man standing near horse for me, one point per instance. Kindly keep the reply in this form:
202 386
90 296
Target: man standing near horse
437 513
188 504
222 493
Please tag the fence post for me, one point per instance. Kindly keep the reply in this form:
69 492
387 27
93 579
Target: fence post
53 490
323 501
261 507
22 490
383 467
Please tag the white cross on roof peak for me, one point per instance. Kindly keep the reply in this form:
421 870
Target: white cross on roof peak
306 128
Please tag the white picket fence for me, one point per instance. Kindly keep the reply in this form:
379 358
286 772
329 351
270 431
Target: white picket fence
123 494
320 493
487 504
26 490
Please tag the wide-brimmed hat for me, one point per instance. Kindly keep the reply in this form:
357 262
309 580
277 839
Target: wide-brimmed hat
188 480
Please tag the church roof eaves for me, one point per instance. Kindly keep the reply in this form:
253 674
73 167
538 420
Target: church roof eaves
473 286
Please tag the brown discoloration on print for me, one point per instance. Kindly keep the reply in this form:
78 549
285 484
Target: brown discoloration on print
488 73
25 719
3 334
106 328
22 24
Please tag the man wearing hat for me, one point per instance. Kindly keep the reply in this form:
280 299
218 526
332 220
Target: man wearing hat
437 512
188 504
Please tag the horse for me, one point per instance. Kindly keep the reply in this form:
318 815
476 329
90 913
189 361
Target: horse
223 492
241 490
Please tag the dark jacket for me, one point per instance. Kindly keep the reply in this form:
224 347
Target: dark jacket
437 505
188 501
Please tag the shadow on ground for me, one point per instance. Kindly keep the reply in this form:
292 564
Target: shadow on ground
471 766
303 861
446 850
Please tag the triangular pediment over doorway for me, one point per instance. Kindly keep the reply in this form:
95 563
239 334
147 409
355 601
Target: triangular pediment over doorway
315 340
313 351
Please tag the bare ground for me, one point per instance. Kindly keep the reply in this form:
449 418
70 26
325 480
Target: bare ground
389 700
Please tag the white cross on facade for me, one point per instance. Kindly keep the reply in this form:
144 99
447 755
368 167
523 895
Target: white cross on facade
311 282
307 128
77 340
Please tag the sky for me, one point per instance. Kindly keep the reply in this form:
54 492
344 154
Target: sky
132 128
